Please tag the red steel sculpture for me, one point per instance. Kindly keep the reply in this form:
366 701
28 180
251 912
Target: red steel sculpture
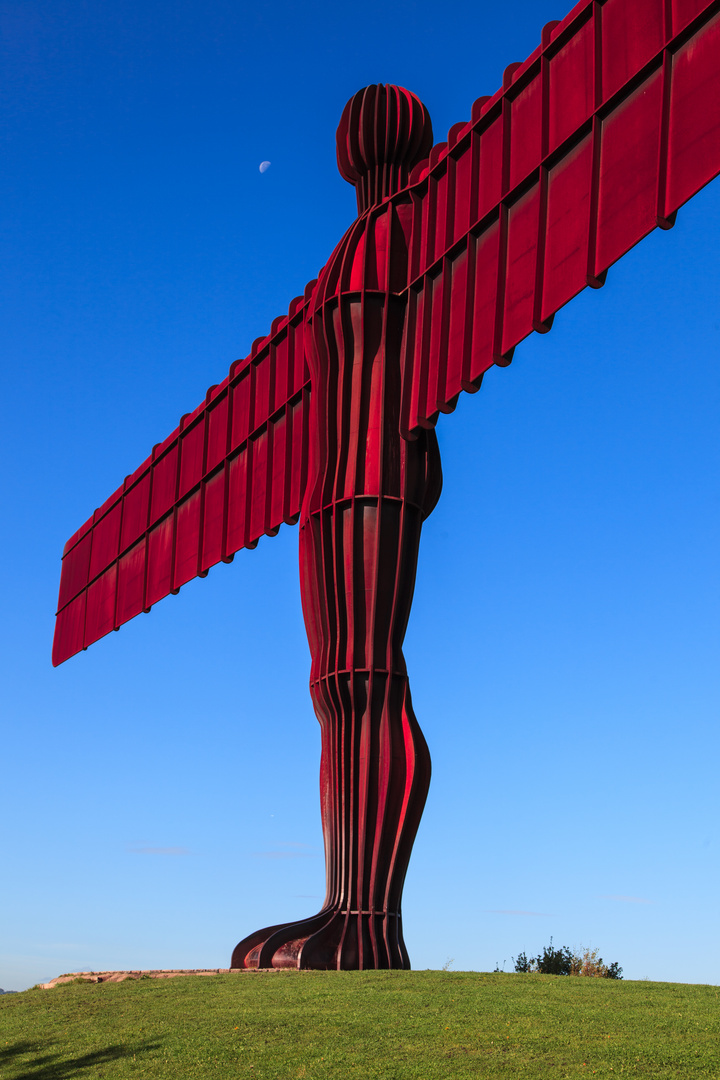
459 251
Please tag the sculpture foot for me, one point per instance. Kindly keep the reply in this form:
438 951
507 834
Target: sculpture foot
332 940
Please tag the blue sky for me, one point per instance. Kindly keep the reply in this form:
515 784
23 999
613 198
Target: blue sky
160 791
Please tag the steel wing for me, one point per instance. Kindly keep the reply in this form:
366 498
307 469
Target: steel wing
232 471
599 136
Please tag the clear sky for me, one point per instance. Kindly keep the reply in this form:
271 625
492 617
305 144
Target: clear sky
160 791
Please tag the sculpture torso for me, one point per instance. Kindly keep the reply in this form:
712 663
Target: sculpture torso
363 475
353 339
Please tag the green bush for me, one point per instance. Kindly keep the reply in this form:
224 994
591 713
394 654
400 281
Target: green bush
564 961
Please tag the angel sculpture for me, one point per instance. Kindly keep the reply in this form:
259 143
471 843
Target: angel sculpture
458 252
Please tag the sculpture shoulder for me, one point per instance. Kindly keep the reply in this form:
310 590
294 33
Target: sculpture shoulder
372 255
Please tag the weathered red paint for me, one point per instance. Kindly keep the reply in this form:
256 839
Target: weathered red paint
597 138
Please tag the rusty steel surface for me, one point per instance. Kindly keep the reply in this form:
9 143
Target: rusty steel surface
459 251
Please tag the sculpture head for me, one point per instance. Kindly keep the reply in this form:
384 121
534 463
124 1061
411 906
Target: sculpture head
383 132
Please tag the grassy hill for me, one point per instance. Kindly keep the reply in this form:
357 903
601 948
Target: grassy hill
425 1025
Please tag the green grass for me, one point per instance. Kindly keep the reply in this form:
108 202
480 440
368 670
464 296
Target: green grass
427 1025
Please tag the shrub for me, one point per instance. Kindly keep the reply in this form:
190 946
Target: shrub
555 961
523 964
564 961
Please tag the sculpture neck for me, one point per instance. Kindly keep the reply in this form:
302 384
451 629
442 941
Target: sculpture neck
379 184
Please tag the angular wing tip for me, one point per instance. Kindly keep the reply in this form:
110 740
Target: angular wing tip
59 654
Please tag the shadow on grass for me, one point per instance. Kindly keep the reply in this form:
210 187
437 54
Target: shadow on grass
48 1066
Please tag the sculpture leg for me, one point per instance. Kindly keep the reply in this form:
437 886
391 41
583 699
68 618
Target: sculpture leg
358 561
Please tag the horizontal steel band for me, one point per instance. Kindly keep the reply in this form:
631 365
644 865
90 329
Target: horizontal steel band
374 913
328 676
